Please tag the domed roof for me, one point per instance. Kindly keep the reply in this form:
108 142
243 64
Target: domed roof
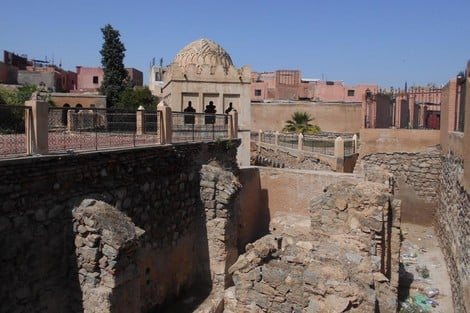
202 52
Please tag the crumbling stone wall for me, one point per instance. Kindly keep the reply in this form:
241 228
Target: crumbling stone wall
219 189
453 227
420 170
106 241
282 159
347 261
158 188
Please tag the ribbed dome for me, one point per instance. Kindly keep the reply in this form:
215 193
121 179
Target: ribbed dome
201 52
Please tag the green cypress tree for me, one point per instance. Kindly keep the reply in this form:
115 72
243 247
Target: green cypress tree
112 59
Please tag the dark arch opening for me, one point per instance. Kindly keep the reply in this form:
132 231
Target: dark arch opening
189 118
210 113
227 111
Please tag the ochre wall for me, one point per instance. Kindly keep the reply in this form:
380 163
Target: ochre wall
396 140
331 117
290 191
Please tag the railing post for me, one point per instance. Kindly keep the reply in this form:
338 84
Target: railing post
40 131
70 120
28 130
300 145
260 133
166 127
233 125
339 154
355 142
140 121
276 140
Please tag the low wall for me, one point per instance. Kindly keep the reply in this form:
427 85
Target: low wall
413 158
331 117
178 195
396 140
290 191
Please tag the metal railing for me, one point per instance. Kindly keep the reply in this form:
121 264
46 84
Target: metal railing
95 129
268 137
289 140
348 147
69 130
13 130
199 126
319 144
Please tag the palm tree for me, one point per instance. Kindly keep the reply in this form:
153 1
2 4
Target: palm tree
300 123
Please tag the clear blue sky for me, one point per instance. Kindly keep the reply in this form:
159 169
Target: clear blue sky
386 42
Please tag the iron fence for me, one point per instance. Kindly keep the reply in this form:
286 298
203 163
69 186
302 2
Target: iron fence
289 140
95 129
13 131
199 126
319 145
348 147
268 137
254 136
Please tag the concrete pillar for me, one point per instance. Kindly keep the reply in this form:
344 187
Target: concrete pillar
39 129
413 116
166 125
300 144
140 120
260 133
276 140
70 121
28 128
233 125
339 154
355 143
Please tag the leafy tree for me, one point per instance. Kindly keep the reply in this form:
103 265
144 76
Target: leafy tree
16 96
131 99
300 123
112 53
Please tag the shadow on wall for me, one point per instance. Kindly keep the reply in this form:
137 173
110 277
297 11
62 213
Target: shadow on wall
188 297
414 210
253 207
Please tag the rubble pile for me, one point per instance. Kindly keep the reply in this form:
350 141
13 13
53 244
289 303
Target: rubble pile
346 260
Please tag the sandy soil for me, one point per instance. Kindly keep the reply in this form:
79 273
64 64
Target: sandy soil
420 248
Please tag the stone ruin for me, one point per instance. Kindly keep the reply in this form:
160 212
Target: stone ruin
345 260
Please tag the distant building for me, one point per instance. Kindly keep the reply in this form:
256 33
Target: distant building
203 79
157 73
289 85
17 69
89 79
417 107
77 100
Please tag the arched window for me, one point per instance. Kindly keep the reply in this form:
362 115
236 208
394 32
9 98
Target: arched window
78 107
210 113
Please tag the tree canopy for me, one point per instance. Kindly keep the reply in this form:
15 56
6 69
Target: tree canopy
131 99
300 123
115 79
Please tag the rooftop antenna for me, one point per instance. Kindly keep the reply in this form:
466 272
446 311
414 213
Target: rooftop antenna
161 62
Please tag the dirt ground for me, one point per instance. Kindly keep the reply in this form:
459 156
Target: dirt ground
421 251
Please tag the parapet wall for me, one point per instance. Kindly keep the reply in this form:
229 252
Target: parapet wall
161 189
